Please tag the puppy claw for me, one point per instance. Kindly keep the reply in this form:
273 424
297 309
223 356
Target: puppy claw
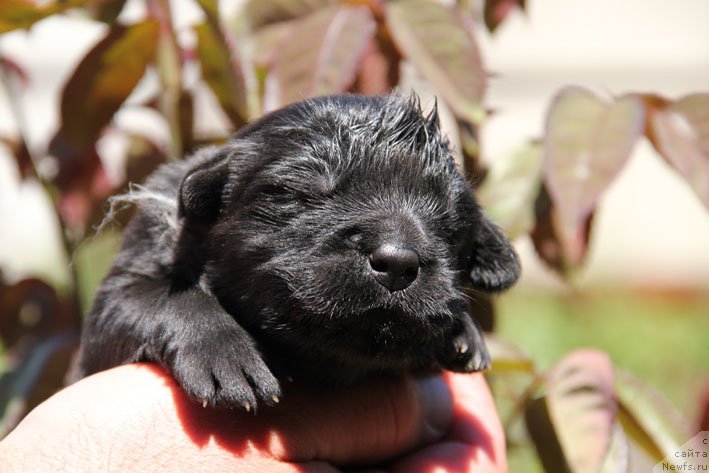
463 348
204 403
275 399
247 406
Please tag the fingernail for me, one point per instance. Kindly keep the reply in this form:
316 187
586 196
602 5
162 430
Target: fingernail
437 406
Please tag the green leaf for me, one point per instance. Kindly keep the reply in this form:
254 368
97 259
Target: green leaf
211 9
105 10
258 13
507 357
16 14
541 430
320 54
104 79
679 131
574 428
648 418
509 190
442 47
587 143
223 71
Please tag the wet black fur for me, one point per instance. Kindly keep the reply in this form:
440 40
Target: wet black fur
252 258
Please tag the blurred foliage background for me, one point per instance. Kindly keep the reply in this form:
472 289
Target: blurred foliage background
602 351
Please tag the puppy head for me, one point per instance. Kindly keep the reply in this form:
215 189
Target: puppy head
341 226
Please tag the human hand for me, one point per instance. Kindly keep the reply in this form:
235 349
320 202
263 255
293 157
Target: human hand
135 418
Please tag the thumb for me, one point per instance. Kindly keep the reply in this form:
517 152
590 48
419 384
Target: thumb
370 422
366 423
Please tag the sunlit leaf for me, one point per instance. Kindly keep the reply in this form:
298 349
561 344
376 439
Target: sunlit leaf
442 47
510 188
223 72
263 12
104 79
211 9
587 143
320 55
496 11
16 14
507 357
617 459
648 418
679 131
574 427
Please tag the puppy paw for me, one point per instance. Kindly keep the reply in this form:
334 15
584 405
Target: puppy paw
225 370
465 349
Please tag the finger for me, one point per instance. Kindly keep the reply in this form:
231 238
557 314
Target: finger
367 423
476 421
475 442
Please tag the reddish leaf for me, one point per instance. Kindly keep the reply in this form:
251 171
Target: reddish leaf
496 11
267 42
83 191
320 55
104 79
11 66
574 427
442 47
679 131
587 143
703 417
31 307
264 12
23 159
379 71
224 72
562 252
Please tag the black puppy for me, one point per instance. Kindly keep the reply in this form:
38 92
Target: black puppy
329 240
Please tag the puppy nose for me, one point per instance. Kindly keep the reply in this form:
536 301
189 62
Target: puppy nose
394 266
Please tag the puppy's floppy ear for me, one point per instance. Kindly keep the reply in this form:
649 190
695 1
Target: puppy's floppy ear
494 265
203 186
